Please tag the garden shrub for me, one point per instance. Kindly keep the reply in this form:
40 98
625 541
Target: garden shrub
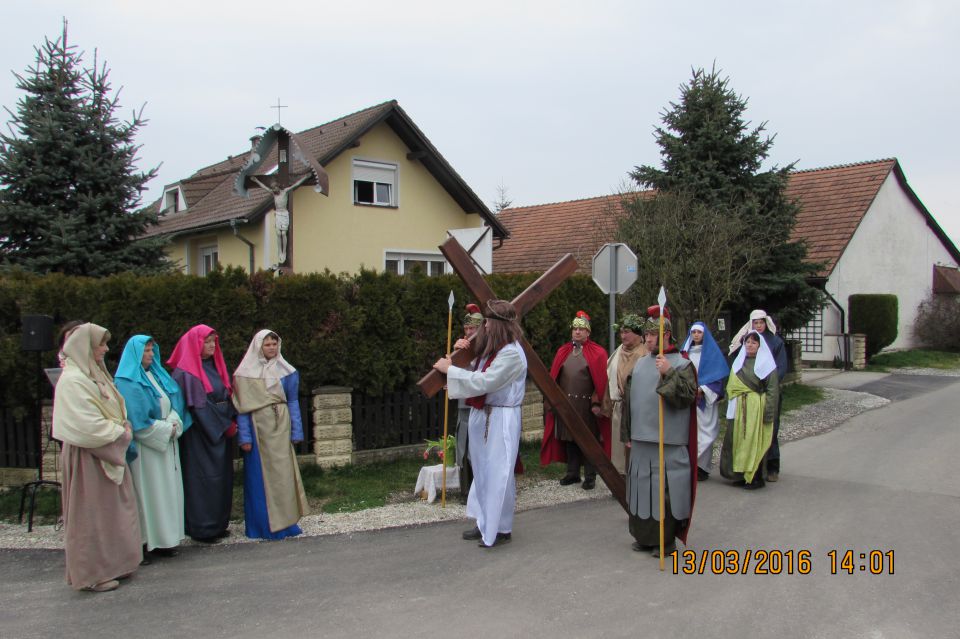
875 315
938 323
375 332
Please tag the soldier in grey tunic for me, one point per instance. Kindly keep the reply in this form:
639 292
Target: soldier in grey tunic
471 322
674 378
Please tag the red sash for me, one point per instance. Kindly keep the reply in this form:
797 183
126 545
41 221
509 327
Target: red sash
479 401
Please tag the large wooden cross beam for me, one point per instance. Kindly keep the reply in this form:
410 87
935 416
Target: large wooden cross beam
434 381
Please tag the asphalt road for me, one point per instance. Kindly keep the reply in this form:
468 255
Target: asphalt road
885 481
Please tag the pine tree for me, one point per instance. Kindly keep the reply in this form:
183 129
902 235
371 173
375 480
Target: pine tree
710 153
69 187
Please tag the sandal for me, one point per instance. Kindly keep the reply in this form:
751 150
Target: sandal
104 586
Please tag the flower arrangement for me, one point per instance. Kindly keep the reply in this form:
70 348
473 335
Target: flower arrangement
445 449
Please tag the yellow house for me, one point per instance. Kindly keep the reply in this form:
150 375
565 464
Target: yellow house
392 200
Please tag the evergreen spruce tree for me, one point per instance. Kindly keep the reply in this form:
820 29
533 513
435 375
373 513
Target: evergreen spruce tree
69 187
711 154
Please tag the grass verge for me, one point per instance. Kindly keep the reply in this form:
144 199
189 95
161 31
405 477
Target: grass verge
914 359
796 396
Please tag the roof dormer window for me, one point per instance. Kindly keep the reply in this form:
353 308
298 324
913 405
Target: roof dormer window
173 200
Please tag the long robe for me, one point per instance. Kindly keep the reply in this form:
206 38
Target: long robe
708 414
273 495
678 389
615 402
101 526
156 470
206 454
494 436
750 433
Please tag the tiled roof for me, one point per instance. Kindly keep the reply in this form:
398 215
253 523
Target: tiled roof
540 235
211 200
833 201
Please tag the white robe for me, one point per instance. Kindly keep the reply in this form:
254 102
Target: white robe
708 418
493 453
156 476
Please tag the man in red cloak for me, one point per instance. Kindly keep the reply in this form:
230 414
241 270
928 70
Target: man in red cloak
580 369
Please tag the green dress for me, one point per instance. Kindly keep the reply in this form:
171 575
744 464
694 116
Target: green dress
750 432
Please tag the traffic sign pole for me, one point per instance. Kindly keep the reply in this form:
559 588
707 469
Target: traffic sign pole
613 297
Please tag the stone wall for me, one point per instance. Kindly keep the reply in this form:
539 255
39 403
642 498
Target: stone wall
332 426
858 357
532 427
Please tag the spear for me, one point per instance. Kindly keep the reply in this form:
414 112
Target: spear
446 408
662 301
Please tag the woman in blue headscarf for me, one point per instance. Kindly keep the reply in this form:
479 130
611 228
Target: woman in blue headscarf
155 408
712 372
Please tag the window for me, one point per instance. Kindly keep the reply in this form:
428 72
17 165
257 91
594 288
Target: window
374 183
811 334
172 201
402 263
209 258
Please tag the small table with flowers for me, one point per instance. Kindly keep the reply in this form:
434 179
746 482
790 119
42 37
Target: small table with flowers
430 481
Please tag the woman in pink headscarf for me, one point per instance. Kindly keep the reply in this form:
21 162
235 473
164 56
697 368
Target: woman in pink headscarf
205 451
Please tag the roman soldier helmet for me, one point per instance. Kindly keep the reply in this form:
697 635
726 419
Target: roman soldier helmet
653 320
582 320
473 317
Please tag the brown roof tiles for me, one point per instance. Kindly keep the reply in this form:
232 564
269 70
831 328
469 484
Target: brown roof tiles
833 202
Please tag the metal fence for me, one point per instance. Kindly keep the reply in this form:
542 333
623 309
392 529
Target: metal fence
398 419
20 438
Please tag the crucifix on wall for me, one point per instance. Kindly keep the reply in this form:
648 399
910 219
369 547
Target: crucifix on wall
433 382
295 167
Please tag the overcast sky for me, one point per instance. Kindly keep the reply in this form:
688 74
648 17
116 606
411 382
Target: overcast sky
553 100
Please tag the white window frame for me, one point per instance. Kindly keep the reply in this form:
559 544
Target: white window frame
378 173
402 257
173 200
206 251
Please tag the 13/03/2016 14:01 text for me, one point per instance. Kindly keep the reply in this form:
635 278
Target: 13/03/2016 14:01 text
776 562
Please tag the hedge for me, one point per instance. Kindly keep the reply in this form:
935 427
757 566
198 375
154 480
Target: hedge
376 332
876 315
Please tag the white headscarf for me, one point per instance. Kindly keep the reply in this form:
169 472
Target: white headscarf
765 363
255 366
754 315
762 367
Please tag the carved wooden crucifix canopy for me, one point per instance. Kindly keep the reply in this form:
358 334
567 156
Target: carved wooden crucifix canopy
289 148
434 381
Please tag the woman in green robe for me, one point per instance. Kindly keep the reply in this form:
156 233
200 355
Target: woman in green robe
753 391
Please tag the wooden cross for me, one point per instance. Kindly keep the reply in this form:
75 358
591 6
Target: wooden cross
433 382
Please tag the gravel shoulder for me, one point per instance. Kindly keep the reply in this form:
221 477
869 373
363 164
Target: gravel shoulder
837 407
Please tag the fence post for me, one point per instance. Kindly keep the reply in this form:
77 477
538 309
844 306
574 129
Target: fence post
332 426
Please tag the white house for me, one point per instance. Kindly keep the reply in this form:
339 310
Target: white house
874 235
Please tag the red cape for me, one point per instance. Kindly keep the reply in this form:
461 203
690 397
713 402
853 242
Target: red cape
552 449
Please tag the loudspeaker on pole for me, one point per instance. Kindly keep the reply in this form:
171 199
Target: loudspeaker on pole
37 333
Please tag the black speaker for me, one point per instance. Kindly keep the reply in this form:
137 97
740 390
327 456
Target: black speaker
37 333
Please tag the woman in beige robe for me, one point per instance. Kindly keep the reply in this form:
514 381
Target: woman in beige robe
101 525
266 395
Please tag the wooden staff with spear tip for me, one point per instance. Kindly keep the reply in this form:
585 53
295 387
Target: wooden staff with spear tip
662 301
446 409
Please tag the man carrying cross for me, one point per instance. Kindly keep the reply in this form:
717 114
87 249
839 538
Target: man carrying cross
495 389
674 379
